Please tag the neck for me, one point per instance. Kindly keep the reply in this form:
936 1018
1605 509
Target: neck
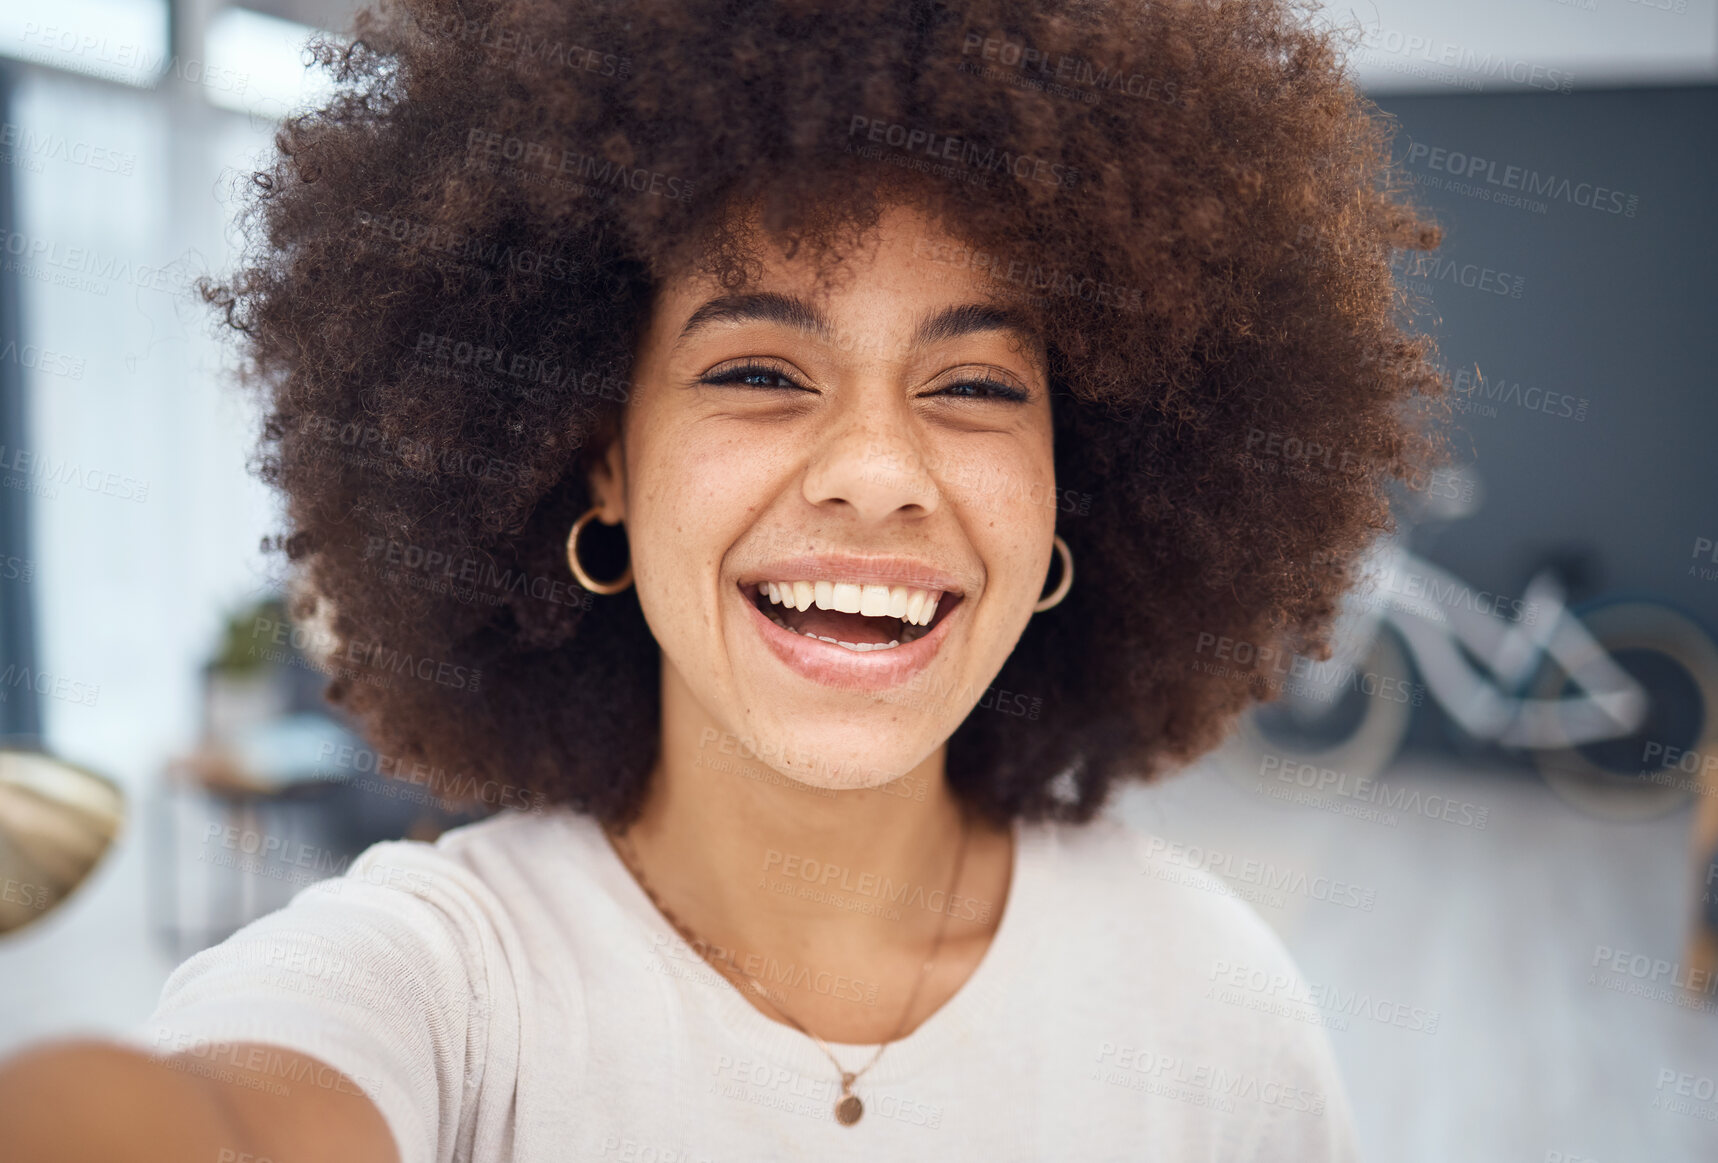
760 864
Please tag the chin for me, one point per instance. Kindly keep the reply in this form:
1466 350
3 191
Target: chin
864 749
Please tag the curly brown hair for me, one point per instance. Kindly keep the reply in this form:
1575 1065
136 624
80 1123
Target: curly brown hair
450 265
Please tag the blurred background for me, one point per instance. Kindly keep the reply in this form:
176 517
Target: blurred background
1496 806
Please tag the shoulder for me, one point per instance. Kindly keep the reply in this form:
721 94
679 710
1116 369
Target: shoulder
481 860
1189 992
408 973
435 918
1157 944
1156 899
530 859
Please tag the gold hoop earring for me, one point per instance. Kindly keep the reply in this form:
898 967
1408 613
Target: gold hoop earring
1061 591
584 579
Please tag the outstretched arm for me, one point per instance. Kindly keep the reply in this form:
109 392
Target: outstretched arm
73 1102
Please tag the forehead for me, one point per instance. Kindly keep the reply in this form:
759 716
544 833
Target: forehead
932 325
887 288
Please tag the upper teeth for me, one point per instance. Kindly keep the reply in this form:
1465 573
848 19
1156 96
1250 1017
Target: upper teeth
874 601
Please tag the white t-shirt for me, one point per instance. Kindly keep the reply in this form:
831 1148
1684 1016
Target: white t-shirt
509 993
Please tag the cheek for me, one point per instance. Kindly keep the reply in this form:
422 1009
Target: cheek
1006 495
694 497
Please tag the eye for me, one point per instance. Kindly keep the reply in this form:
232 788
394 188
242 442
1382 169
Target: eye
753 375
980 389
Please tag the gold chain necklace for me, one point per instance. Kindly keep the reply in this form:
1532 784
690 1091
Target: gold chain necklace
848 1108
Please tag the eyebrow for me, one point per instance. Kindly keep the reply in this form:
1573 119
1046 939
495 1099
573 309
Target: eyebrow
789 311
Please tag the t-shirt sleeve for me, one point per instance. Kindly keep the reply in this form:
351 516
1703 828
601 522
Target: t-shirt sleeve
392 974
1306 1116
1273 1040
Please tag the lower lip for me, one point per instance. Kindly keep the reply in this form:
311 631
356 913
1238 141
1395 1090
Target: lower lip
836 666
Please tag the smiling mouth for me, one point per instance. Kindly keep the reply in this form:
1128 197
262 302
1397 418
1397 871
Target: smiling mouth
861 617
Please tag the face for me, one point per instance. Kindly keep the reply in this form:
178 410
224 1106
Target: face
839 502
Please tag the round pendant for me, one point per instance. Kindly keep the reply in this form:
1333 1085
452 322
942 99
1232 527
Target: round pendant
848 1108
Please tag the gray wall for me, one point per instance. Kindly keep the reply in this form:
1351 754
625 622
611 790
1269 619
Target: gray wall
1616 308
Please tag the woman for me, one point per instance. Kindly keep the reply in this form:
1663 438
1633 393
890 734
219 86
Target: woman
912 393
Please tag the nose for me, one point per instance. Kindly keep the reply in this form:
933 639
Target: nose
872 463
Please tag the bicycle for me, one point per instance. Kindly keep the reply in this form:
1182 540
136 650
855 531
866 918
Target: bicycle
1647 673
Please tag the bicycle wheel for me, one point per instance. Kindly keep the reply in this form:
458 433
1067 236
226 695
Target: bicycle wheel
1645 773
1354 727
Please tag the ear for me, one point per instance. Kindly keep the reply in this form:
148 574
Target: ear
608 484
